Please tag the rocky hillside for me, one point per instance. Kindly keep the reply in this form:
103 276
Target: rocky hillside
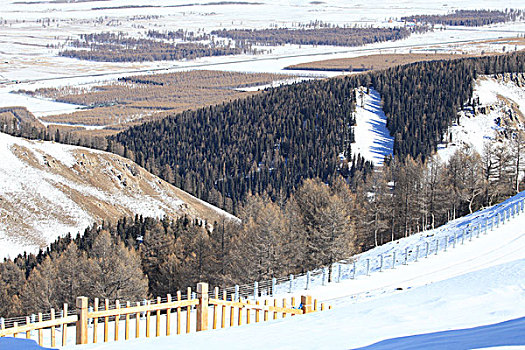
496 111
49 189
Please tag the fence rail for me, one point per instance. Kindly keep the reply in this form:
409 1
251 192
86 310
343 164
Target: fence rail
105 322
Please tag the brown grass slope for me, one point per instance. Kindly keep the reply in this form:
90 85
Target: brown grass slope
49 189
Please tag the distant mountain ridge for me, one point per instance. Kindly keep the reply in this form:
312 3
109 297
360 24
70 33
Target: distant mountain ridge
49 189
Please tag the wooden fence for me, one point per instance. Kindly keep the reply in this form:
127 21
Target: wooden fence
97 319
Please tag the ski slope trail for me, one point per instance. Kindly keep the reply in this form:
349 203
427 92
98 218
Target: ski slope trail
499 246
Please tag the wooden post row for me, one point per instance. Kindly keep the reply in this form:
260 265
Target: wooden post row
202 309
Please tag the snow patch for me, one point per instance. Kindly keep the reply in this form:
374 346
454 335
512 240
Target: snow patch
475 128
372 138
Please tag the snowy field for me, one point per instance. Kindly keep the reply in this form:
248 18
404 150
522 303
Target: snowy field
471 296
32 32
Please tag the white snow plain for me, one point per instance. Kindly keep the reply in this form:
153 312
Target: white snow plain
33 32
471 296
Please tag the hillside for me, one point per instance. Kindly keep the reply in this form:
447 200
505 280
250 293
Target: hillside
470 296
49 189
497 110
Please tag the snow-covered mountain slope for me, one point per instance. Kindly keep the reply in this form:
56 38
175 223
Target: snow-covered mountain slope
499 106
470 296
49 189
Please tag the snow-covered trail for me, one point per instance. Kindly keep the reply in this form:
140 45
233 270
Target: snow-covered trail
372 138
503 245
470 296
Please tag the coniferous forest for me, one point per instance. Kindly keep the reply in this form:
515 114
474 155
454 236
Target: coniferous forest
265 144
269 143
318 225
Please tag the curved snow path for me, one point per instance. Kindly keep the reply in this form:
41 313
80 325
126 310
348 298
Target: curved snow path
504 244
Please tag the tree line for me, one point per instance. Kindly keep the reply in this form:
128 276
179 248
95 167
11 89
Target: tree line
470 18
264 144
118 47
421 100
145 257
336 36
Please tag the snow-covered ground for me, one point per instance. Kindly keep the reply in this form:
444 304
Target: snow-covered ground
32 32
499 98
470 296
372 138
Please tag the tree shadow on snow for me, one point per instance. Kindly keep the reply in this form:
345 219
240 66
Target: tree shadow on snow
508 333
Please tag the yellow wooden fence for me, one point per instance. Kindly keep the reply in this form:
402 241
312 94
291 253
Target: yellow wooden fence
102 315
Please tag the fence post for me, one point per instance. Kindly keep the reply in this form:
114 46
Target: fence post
274 282
255 290
82 323
479 229
455 239
446 243
393 260
368 267
338 273
307 280
437 246
406 255
381 264
324 276
306 300
64 326
417 252
236 296
353 272
291 283
202 307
